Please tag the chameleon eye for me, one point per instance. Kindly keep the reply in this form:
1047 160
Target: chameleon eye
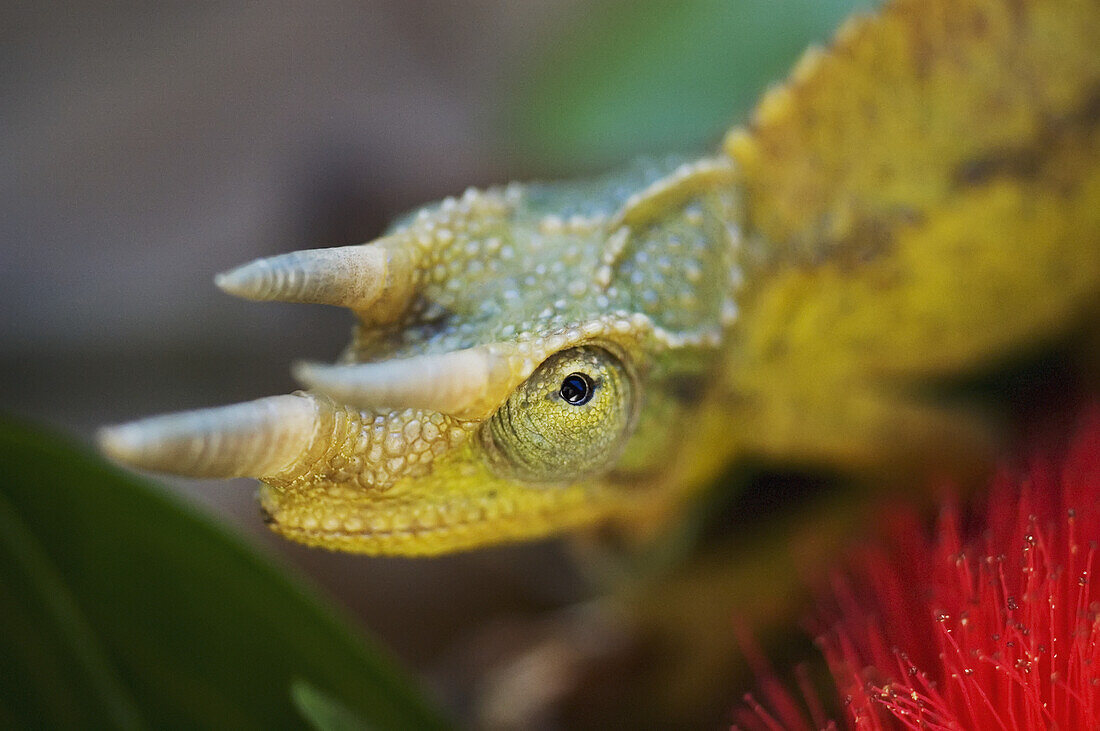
576 389
571 418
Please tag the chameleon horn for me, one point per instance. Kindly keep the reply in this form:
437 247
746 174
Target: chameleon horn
467 384
377 277
253 439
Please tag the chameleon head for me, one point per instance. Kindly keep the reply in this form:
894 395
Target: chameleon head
499 383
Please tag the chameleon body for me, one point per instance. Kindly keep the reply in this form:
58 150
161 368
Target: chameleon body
919 198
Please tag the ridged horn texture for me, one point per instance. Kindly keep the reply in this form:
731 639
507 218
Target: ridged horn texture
356 277
466 384
252 439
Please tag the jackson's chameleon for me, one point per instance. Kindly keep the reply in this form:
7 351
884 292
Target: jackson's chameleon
920 197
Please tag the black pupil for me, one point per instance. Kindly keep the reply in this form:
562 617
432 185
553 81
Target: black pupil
576 389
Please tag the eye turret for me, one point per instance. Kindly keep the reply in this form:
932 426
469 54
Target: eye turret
569 419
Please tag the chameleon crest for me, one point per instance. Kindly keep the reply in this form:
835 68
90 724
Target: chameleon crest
918 199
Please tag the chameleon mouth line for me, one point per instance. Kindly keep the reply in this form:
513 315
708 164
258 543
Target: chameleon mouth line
370 541
501 520
380 534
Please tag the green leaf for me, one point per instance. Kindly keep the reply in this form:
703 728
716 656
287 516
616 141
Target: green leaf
124 608
323 712
637 76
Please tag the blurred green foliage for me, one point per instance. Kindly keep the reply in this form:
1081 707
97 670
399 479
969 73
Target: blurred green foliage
645 76
123 608
322 711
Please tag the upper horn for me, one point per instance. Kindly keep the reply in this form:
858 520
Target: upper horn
377 277
466 384
258 438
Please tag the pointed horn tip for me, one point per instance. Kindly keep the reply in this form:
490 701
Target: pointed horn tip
355 384
240 281
224 280
123 442
310 373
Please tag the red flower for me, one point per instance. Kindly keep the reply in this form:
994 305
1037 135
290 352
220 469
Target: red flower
996 627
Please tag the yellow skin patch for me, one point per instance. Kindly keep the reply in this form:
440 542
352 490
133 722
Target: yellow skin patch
919 199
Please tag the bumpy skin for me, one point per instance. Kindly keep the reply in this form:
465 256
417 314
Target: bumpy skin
540 270
920 198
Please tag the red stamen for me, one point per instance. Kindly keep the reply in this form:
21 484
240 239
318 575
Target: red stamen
993 630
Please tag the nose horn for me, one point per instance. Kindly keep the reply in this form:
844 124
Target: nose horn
258 438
